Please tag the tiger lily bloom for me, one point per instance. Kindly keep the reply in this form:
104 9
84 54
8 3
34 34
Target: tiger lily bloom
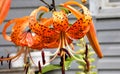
91 34
20 37
61 33
4 8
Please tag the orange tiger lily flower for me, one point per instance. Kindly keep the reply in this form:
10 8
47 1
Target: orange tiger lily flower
4 8
61 33
91 33
20 37
18 34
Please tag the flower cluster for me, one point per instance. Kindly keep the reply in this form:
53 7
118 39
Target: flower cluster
53 32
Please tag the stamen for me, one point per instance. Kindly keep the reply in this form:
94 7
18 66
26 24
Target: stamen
32 59
1 61
63 49
56 53
9 64
40 68
69 47
70 51
17 57
63 64
43 57
27 65
10 58
25 55
72 46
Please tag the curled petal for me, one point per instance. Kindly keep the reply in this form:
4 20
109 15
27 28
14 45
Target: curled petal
33 15
16 29
41 8
82 25
86 12
87 20
20 26
92 37
73 10
5 28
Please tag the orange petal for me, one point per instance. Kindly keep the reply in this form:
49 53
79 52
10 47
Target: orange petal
49 35
75 12
78 29
60 21
41 8
47 22
22 41
53 44
91 35
29 39
38 44
18 28
4 8
5 28
33 15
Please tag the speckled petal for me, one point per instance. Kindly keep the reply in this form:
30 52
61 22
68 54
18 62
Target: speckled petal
18 29
60 21
78 29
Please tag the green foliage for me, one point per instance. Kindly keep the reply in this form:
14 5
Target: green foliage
50 68
83 68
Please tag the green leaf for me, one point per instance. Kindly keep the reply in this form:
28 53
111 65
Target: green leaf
41 14
65 9
91 59
91 53
50 68
79 59
68 63
81 67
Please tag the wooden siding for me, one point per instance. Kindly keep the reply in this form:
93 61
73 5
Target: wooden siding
108 32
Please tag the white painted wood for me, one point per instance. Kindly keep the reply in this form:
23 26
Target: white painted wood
104 8
109 36
109 63
110 50
107 24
